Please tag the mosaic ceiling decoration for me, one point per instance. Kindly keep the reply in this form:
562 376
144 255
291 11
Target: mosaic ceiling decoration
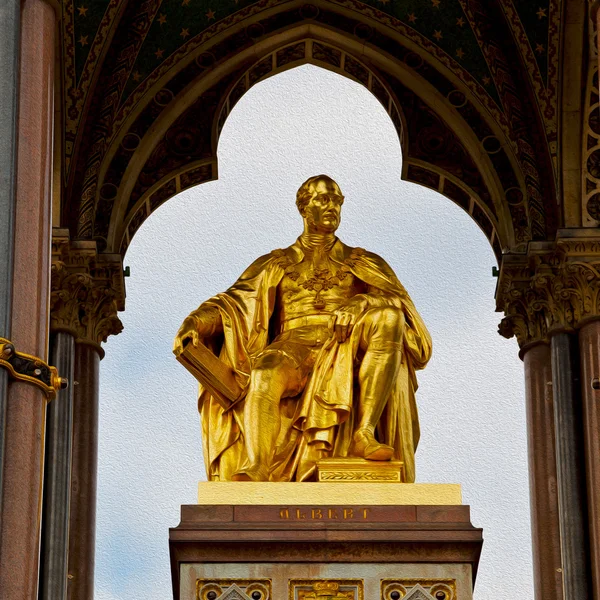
87 16
444 23
535 19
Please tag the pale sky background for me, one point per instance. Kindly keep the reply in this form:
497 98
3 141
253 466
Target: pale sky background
471 397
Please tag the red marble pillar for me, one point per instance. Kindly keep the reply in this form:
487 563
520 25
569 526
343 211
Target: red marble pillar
84 473
589 348
545 530
26 404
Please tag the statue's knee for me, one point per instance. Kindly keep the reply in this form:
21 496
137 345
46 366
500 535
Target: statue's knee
268 360
266 367
390 317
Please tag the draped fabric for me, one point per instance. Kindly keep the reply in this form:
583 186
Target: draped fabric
319 422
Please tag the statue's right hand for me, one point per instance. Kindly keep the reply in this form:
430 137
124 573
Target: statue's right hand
187 331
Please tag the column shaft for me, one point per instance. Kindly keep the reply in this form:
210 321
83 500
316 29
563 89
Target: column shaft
589 346
57 476
10 16
545 528
26 406
84 474
570 466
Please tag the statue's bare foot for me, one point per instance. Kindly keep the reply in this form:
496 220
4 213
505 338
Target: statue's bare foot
366 446
251 474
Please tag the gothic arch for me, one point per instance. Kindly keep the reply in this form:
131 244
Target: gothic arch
455 138
144 190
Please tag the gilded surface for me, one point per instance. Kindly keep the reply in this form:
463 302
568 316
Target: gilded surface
326 589
325 341
326 493
32 369
348 470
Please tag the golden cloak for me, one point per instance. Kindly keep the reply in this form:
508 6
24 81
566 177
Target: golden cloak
319 422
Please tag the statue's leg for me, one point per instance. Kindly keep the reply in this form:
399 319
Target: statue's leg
273 375
381 342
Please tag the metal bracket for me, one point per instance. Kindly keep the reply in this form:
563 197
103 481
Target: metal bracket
25 367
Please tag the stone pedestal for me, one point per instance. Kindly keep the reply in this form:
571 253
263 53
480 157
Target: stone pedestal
301 550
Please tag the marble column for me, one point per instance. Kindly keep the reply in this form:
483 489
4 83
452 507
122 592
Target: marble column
57 475
570 466
26 404
589 347
88 290
84 474
545 528
10 16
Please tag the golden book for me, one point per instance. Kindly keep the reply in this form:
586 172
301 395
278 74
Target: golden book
217 377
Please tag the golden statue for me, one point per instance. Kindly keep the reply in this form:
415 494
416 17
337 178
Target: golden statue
314 352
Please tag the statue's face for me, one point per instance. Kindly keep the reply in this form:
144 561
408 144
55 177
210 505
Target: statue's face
323 212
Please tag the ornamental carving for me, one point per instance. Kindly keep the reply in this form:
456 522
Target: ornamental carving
326 589
87 290
418 589
233 589
590 206
555 287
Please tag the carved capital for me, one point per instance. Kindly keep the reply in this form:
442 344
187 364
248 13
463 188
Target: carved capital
554 287
87 289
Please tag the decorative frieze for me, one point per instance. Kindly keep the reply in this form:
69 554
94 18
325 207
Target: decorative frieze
358 469
87 289
233 589
555 287
326 589
418 589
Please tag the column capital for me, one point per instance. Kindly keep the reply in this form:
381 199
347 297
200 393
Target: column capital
554 287
87 290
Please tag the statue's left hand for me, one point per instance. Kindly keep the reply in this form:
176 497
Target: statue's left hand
188 330
347 315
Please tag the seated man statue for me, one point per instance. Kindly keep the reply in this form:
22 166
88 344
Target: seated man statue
324 341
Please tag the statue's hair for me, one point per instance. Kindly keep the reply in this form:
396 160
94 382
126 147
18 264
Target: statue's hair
307 190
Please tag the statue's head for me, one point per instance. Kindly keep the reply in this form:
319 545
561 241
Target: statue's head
319 201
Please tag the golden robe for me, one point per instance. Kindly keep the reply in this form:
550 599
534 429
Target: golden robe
319 422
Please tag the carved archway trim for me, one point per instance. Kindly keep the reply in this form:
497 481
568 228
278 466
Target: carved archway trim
501 186
497 229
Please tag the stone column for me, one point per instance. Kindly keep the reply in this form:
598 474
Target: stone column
10 17
545 529
26 405
570 465
546 296
57 475
82 535
520 302
589 348
87 291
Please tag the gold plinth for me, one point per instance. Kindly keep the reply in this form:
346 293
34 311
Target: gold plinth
327 493
348 470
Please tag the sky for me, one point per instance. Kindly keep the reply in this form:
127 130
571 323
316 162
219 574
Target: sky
471 399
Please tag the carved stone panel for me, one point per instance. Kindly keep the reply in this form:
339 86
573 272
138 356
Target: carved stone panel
326 589
233 589
418 589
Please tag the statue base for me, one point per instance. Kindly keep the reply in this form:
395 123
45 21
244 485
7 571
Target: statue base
310 545
349 470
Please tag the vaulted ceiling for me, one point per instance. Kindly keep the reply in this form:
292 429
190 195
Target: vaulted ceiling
472 86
